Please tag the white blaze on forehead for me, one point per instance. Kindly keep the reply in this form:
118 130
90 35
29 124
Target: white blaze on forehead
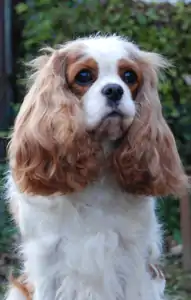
109 49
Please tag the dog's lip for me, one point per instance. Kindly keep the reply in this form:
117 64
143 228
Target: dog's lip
114 113
110 115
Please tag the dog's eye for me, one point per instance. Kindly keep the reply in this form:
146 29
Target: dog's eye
84 77
130 77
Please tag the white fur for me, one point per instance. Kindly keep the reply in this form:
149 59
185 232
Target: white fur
96 244
91 245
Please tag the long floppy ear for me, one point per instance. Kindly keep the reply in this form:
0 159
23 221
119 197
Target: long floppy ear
50 150
147 162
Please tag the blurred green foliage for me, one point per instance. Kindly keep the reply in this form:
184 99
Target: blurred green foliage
157 27
6 228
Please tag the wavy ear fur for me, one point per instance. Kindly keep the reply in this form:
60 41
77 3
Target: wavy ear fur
50 151
147 162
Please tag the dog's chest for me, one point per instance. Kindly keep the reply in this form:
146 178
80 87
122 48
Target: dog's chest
86 239
97 240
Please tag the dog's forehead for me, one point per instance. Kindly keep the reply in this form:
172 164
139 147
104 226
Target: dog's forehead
109 49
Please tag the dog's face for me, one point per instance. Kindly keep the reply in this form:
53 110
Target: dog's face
85 92
106 80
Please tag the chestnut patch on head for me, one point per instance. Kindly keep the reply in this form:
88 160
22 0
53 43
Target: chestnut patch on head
81 74
130 73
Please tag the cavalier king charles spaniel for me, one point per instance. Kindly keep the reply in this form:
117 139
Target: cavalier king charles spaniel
89 152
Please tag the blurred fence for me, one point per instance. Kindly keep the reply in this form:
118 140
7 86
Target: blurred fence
9 42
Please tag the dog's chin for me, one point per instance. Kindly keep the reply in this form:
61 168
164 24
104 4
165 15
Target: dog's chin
113 127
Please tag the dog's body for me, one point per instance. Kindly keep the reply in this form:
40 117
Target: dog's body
94 245
89 151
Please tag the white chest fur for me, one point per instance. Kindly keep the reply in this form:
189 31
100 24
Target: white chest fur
91 245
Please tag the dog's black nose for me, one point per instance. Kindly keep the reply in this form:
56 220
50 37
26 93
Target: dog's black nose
113 92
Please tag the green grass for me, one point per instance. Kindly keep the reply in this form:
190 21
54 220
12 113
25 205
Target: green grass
178 281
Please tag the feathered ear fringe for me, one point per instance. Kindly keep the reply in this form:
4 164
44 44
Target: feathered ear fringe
147 162
50 150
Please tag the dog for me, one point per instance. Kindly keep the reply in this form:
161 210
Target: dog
89 152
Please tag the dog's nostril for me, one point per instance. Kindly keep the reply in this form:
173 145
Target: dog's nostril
108 92
113 92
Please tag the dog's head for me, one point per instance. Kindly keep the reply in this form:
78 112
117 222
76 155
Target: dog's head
89 91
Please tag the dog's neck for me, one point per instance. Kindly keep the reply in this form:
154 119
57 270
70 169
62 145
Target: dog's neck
109 146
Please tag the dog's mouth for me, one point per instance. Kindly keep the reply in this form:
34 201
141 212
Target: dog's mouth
114 114
111 126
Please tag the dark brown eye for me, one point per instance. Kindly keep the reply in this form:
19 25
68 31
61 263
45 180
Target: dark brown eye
130 77
84 77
